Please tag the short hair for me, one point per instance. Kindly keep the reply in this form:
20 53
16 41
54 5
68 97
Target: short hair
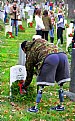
15 1
45 13
8 1
23 44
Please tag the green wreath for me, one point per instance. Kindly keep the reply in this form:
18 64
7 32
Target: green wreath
17 97
70 49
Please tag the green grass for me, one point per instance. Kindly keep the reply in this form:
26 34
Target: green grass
9 53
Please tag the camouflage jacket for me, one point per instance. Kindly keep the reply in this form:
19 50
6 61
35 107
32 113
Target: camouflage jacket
36 51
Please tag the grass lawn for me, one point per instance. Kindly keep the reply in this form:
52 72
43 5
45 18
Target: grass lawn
17 111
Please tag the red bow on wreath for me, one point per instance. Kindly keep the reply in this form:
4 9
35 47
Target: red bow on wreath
20 85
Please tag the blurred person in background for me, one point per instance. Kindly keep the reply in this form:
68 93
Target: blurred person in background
39 23
60 26
51 32
14 12
47 23
6 11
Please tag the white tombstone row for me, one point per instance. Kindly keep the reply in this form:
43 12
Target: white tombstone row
29 20
17 72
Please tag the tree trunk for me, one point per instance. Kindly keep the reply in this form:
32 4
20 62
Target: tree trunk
72 83
71 92
71 8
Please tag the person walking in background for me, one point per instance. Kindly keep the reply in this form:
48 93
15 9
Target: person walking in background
46 5
6 11
14 12
39 23
50 5
51 32
47 23
35 8
60 27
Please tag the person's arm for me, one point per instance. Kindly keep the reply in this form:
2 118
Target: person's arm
30 70
18 11
11 10
61 20
50 24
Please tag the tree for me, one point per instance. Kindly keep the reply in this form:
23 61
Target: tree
71 92
72 83
71 8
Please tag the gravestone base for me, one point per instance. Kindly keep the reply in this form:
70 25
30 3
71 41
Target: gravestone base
70 95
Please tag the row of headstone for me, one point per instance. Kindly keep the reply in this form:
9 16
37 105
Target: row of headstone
30 12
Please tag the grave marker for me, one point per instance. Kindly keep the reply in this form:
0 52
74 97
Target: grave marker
17 72
22 56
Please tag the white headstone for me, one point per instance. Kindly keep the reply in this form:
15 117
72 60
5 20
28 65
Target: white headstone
69 39
30 12
71 25
17 72
22 56
65 21
2 15
8 28
30 19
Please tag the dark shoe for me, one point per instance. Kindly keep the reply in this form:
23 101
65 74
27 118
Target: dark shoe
57 108
33 109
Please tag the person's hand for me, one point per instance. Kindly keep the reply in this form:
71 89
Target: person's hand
14 11
24 89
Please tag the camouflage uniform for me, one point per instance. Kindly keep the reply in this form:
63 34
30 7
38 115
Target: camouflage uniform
36 52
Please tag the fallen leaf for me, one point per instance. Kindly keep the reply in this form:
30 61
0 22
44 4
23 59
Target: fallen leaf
68 103
13 110
41 108
6 111
10 116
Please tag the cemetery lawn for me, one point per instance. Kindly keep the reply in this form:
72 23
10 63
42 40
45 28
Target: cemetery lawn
17 111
